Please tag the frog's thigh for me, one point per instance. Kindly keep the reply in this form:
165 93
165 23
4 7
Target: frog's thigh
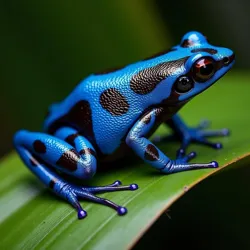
79 162
142 146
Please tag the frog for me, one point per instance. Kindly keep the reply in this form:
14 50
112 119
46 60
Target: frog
111 113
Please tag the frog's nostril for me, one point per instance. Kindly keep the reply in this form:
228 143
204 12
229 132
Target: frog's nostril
226 60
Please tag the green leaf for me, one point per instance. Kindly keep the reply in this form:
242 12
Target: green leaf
214 215
32 217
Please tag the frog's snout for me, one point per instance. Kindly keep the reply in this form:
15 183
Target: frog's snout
228 56
226 60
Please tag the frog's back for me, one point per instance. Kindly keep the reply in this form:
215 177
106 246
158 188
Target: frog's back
101 107
104 106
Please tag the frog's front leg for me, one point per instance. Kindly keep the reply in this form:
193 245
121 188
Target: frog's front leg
69 153
151 154
197 134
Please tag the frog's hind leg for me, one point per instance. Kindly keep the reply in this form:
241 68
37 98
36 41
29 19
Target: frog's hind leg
41 153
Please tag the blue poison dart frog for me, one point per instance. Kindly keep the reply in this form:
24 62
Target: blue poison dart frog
112 112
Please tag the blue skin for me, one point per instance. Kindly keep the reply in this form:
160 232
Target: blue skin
92 125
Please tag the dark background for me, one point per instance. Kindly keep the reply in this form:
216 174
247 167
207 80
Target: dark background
47 47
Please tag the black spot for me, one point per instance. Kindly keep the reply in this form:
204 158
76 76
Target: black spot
147 79
39 147
187 43
52 183
146 119
33 161
69 160
86 151
71 139
208 50
78 117
114 102
151 153
160 53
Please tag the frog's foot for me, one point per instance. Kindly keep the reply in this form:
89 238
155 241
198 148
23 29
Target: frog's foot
211 133
72 193
200 135
181 163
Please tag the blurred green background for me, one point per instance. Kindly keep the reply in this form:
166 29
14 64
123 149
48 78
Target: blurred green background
47 47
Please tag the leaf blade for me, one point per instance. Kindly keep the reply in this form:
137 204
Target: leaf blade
45 221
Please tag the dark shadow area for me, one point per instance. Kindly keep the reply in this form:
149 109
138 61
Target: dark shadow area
213 215
225 23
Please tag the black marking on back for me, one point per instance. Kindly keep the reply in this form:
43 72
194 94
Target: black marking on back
114 102
146 80
208 50
78 117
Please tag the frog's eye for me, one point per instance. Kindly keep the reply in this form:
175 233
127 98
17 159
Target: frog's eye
183 84
203 69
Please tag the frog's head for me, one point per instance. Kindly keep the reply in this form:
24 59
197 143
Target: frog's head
203 66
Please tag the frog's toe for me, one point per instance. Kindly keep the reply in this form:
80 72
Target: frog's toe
81 214
200 134
179 165
214 164
73 194
70 193
204 124
122 210
216 145
181 155
116 183
133 186
88 195
190 156
214 133
225 132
